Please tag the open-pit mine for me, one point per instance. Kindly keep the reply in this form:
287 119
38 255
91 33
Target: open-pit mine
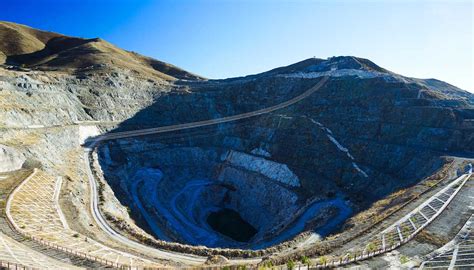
113 159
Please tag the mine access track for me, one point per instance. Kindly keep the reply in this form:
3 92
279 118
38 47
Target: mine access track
142 132
92 143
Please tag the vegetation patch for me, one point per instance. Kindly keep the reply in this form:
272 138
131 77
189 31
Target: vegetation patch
430 238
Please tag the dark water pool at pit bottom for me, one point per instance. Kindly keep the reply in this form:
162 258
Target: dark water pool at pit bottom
229 223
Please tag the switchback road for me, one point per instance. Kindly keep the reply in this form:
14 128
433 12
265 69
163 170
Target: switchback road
179 257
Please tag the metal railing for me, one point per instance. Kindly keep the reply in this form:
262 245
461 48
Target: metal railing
40 241
10 265
360 256
331 263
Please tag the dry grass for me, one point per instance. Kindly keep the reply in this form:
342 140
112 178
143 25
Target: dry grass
21 39
8 184
427 237
35 48
72 167
382 208
385 207
22 138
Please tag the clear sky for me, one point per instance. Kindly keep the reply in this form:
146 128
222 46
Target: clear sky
219 39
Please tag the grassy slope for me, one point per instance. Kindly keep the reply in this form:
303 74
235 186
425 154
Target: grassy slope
26 46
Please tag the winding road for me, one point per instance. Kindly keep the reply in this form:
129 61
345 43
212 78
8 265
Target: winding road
90 145
100 220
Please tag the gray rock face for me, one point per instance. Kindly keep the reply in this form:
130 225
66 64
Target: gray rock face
175 200
364 135
272 170
10 159
40 98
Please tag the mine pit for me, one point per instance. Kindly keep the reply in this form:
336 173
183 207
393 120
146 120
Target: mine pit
215 196
111 159
228 222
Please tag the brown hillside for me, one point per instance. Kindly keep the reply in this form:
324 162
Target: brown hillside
22 45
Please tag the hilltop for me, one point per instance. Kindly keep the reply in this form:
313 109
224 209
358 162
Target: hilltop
32 48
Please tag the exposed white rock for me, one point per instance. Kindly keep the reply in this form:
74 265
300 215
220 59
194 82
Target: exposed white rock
4 85
273 170
339 146
260 152
35 126
10 159
86 132
359 169
361 74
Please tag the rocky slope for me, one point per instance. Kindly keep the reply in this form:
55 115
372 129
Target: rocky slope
366 134
10 160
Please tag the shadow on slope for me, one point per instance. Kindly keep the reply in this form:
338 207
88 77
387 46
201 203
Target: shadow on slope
359 140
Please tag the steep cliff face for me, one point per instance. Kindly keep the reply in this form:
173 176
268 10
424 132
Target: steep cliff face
366 133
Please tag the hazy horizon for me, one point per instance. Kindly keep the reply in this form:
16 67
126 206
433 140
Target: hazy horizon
221 39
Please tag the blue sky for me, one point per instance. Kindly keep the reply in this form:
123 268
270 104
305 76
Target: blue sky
219 39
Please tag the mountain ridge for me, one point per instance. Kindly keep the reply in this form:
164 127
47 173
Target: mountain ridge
29 47
362 144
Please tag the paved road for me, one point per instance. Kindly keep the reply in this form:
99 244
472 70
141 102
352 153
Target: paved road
458 254
100 220
461 256
405 228
429 209
179 257
141 132
74 124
